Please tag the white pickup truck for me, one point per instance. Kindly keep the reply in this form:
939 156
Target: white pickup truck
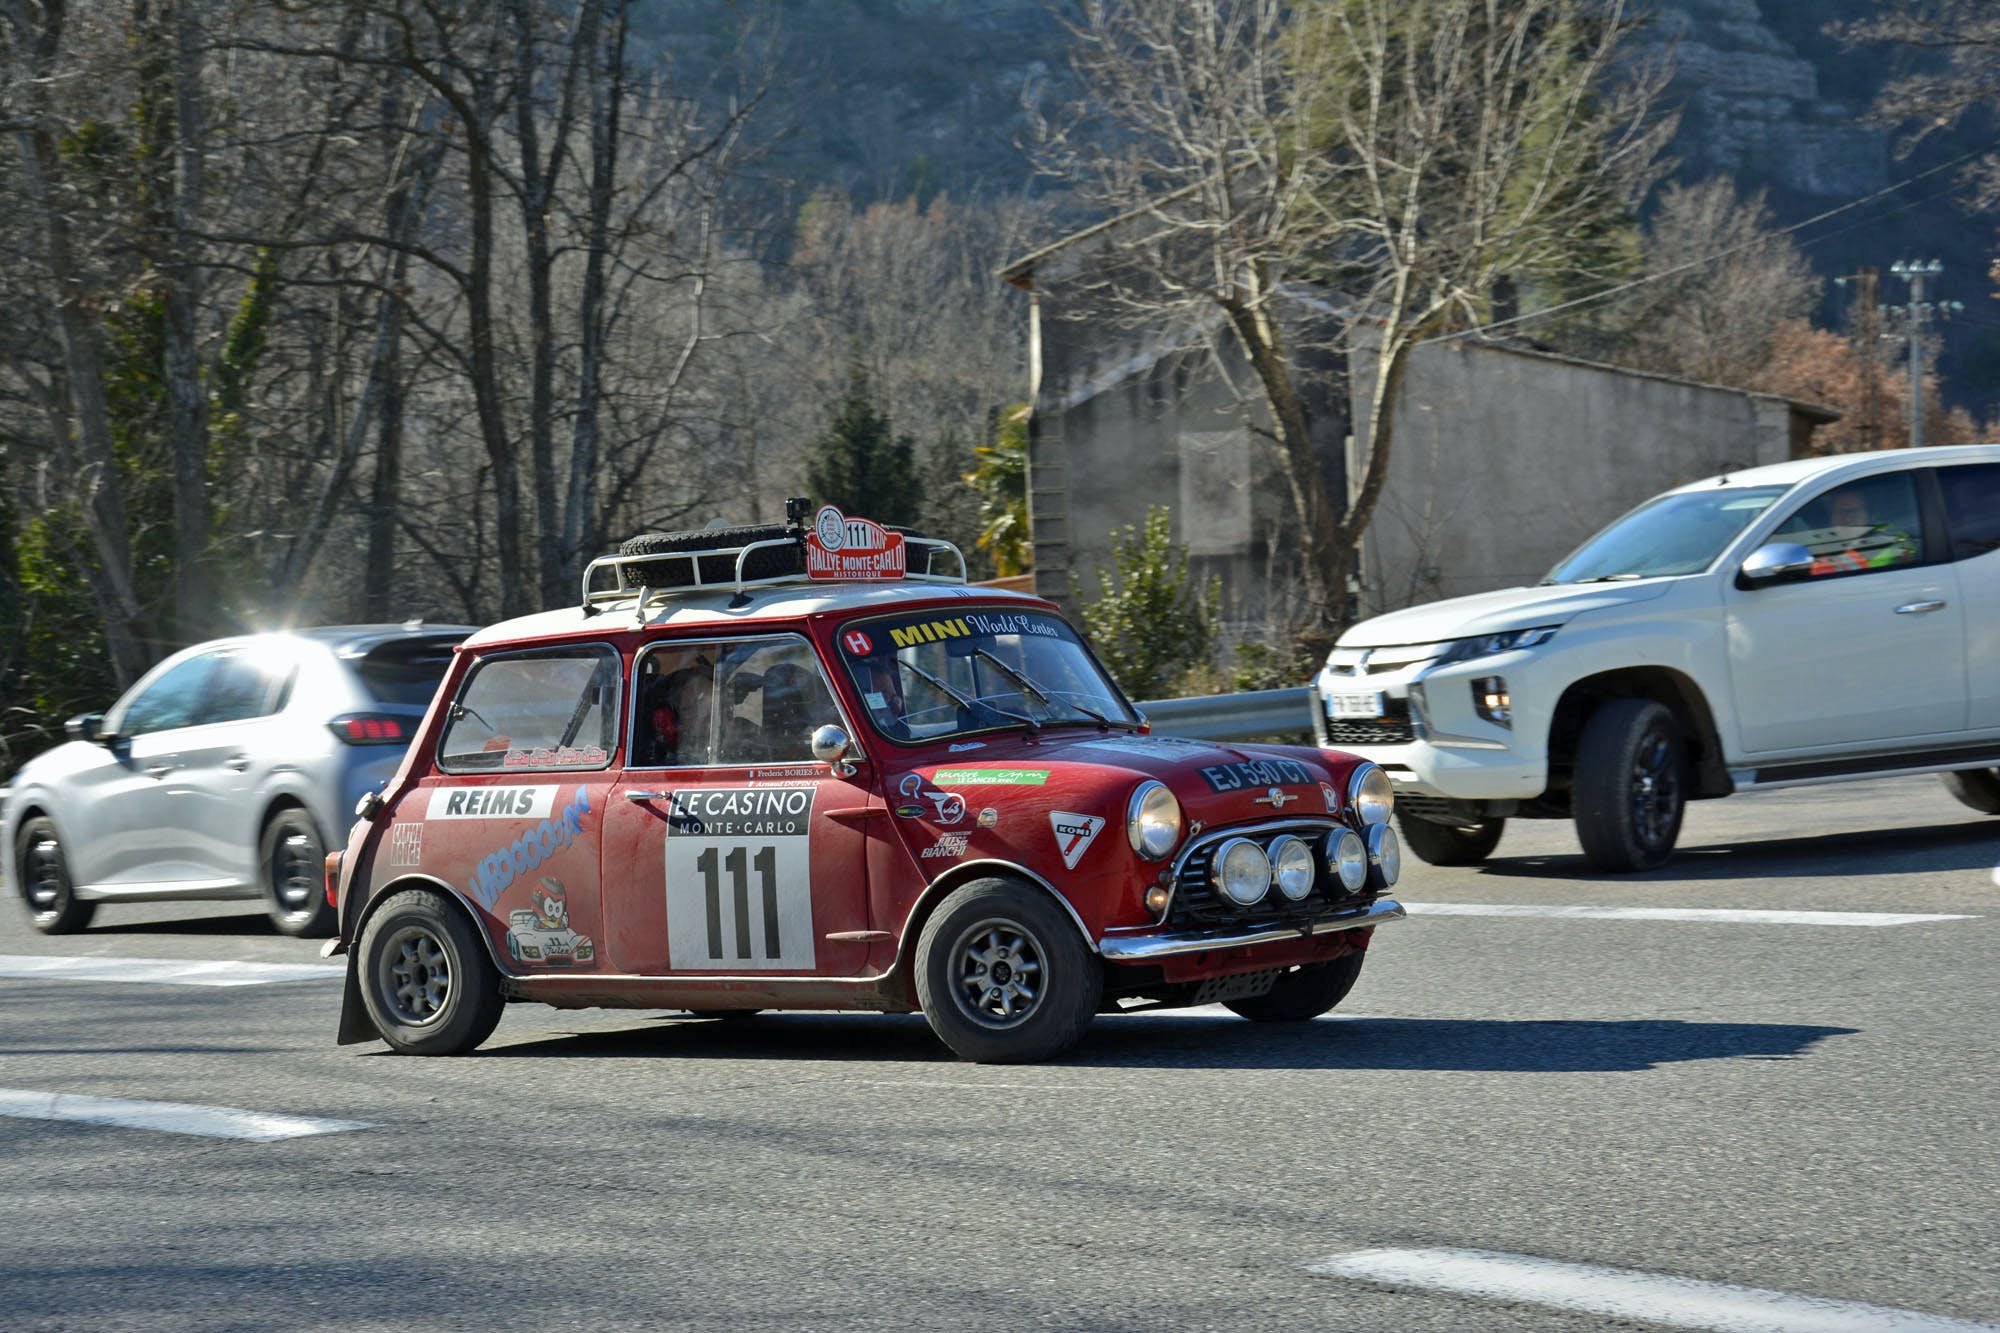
1815 621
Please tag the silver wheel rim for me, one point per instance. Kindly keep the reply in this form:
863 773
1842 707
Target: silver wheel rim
413 976
42 871
998 974
292 880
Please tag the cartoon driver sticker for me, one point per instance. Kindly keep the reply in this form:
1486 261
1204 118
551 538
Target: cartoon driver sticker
540 934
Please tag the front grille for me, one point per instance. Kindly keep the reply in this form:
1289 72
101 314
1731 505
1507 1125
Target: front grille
1389 731
1199 905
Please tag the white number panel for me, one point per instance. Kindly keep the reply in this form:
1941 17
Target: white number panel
739 879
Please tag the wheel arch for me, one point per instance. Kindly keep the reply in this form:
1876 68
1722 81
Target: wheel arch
959 875
284 798
10 869
355 1025
1676 689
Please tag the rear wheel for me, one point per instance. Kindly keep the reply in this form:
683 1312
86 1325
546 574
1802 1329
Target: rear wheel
1450 844
1976 787
45 882
292 874
1304 992
1003 976
1630 785
425 976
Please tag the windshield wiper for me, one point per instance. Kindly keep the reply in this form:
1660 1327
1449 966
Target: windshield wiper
963 701
1041 696
1597 578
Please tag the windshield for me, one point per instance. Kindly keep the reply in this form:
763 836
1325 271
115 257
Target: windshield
932 674
1681 533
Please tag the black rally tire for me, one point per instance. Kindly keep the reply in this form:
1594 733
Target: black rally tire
730 1014
1976 787
291 872
42 871
418 1009
1623 823
1303 993
1042 952
1450 844
771 562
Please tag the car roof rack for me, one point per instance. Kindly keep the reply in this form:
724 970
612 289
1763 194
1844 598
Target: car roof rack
597 597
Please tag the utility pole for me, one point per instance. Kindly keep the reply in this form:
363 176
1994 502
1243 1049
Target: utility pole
1916 315
1864 331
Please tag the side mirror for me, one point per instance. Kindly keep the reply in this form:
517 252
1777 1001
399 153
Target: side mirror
832 747
86 727
1773 564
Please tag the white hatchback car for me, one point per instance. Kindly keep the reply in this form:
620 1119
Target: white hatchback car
1815 621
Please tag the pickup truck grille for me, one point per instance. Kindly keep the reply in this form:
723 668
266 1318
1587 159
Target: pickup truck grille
1390 731
1199 905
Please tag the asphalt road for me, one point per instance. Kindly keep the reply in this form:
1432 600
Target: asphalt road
1806 1109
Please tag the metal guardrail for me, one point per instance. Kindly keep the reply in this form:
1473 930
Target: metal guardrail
1254 715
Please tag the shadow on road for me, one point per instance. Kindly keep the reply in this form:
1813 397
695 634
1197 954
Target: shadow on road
240 923
1933 848
1212 1041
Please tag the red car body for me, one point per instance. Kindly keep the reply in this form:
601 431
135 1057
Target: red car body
803 884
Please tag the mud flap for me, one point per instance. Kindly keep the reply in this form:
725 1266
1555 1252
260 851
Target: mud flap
355 1024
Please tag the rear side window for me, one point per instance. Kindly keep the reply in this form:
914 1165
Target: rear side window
1972 508
405 671
248 682
550 709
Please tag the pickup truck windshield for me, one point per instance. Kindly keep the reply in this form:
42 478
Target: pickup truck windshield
951 672
1681 533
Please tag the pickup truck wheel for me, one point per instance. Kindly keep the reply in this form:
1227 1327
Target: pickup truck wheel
1303 993
1450 844
1630 785
293 875
45 883
1002 975
425 976
1976 787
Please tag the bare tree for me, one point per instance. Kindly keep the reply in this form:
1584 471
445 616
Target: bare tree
1406 154
1960 40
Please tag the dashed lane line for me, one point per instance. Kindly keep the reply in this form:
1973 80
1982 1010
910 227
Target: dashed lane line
162 971
215 1122
1621 1293
1748 916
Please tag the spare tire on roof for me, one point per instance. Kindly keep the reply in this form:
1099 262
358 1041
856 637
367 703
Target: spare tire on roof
770 562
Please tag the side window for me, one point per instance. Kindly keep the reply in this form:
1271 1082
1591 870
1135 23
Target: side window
247 682
173 700
552 709
751 701
1861 526
1972 508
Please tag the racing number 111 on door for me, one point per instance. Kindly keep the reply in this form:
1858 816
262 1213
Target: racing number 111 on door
738 872
767 873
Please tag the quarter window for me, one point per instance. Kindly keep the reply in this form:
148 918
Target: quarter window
1972 508
556 709
1859 527
247 682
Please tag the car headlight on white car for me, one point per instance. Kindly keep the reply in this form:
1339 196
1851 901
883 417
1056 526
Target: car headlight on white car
1486 645
1153 820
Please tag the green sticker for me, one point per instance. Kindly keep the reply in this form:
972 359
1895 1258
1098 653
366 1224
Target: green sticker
990 777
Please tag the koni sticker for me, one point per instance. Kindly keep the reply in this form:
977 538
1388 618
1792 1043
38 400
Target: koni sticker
1074 834
990 777
540 933
500 868
738 879
1259 773
491 802
406 845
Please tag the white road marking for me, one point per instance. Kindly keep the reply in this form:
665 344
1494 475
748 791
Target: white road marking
1749 916
216 1122
1621 1293
163 971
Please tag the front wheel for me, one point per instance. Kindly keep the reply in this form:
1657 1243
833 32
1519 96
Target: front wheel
425 976
1976 787
45 883
1450 844
1002 975
292 873
1304 992
1630 785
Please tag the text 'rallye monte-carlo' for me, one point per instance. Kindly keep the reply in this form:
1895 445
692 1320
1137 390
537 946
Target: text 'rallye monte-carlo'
799 767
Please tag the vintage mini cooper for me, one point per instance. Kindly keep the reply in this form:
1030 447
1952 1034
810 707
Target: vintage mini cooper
793 768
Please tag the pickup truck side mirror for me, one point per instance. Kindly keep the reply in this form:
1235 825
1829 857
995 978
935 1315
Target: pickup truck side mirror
86 727
1777 562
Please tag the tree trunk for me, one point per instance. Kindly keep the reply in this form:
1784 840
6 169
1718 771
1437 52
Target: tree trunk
187 397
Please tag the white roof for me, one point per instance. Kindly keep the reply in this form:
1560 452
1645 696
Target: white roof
1859 465
717 607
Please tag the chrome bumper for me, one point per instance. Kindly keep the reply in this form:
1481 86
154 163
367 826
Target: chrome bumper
1145 948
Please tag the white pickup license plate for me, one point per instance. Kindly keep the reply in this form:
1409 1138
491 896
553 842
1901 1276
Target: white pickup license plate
1355 705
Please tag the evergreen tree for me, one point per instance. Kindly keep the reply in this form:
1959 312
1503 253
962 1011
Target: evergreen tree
859 462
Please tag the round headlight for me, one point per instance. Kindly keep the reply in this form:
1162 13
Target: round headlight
1370 793
1385 857
1242 871
1348 856
1153 820
1292 867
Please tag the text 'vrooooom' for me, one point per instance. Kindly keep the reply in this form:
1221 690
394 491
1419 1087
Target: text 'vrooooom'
500 868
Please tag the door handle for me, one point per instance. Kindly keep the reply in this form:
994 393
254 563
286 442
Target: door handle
641 797
159 770
236 763
1918 608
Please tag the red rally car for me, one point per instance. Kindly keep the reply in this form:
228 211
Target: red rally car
792 768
